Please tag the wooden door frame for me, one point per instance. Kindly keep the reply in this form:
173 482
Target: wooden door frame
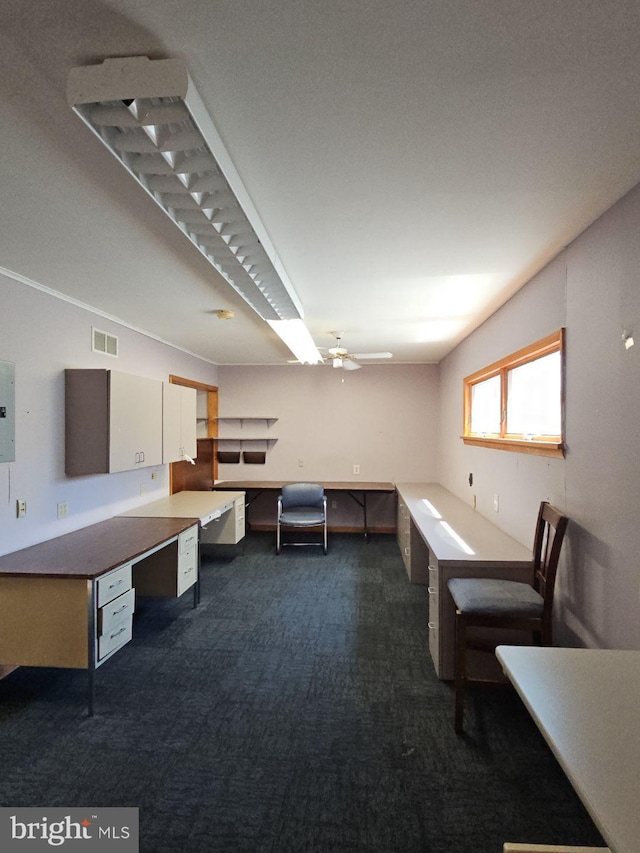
212 416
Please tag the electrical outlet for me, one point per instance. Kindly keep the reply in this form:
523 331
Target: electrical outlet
155 475
496 503
334 504
300 463
63 509
356 469
21 508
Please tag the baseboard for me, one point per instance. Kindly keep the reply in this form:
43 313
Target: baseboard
271 528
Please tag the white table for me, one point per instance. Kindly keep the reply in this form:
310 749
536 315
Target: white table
586 703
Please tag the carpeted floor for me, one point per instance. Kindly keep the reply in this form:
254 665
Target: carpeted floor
295 710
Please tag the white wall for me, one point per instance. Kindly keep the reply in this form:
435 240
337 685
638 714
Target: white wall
593 289
603 427
43 335
382 418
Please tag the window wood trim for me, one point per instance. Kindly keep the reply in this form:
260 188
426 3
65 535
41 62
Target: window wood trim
553 446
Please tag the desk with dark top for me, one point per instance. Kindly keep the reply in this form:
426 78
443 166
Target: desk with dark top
356 490
69 602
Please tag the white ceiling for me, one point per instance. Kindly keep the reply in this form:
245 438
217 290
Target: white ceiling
414 162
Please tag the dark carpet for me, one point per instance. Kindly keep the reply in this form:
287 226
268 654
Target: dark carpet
295 710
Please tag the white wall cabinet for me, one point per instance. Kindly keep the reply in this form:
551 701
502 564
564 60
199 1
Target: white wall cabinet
179 417
113 422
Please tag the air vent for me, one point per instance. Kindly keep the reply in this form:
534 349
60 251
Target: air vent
105 343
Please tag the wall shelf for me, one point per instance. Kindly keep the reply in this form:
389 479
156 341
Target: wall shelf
249 418
231 448
269 441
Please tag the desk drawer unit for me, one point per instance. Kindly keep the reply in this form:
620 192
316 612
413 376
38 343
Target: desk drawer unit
113 584
115 599
434 615
187 559
229 528
113 614
171 570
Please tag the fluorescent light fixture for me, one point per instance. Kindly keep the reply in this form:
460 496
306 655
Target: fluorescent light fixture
297 337
150 116
457 538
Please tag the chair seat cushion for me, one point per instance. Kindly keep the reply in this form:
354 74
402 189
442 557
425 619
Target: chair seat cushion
476 596
303 517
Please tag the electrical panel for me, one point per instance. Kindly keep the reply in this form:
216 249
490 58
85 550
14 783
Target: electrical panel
7 411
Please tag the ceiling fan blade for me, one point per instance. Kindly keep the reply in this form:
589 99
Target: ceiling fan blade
350 365
371 355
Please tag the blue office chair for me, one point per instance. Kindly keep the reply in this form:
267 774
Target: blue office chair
302 505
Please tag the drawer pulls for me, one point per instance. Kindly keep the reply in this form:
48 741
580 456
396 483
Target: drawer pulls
119 610
432 590
432 625
117 583
117 633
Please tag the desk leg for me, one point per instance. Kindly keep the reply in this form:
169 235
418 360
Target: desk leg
362 503
249 499
364 509
196 586
91 628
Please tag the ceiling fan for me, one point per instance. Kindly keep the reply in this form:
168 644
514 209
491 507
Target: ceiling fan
339 356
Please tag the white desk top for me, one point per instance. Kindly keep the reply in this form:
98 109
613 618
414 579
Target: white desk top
431 504
586 703
203 505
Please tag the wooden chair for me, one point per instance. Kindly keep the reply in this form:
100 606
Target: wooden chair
505 604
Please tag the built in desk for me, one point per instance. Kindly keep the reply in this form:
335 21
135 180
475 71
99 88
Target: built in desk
356 490
69 602
441 537
586 703
221 514
221 522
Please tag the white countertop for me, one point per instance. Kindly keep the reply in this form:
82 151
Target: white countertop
205 506
430 504
586 703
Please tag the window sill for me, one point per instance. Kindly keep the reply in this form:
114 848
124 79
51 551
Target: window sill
534 448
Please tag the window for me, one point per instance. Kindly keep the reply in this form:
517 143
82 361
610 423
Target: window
517 403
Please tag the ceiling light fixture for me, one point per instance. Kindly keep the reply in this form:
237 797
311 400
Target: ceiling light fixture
150 116
224 314
296 336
